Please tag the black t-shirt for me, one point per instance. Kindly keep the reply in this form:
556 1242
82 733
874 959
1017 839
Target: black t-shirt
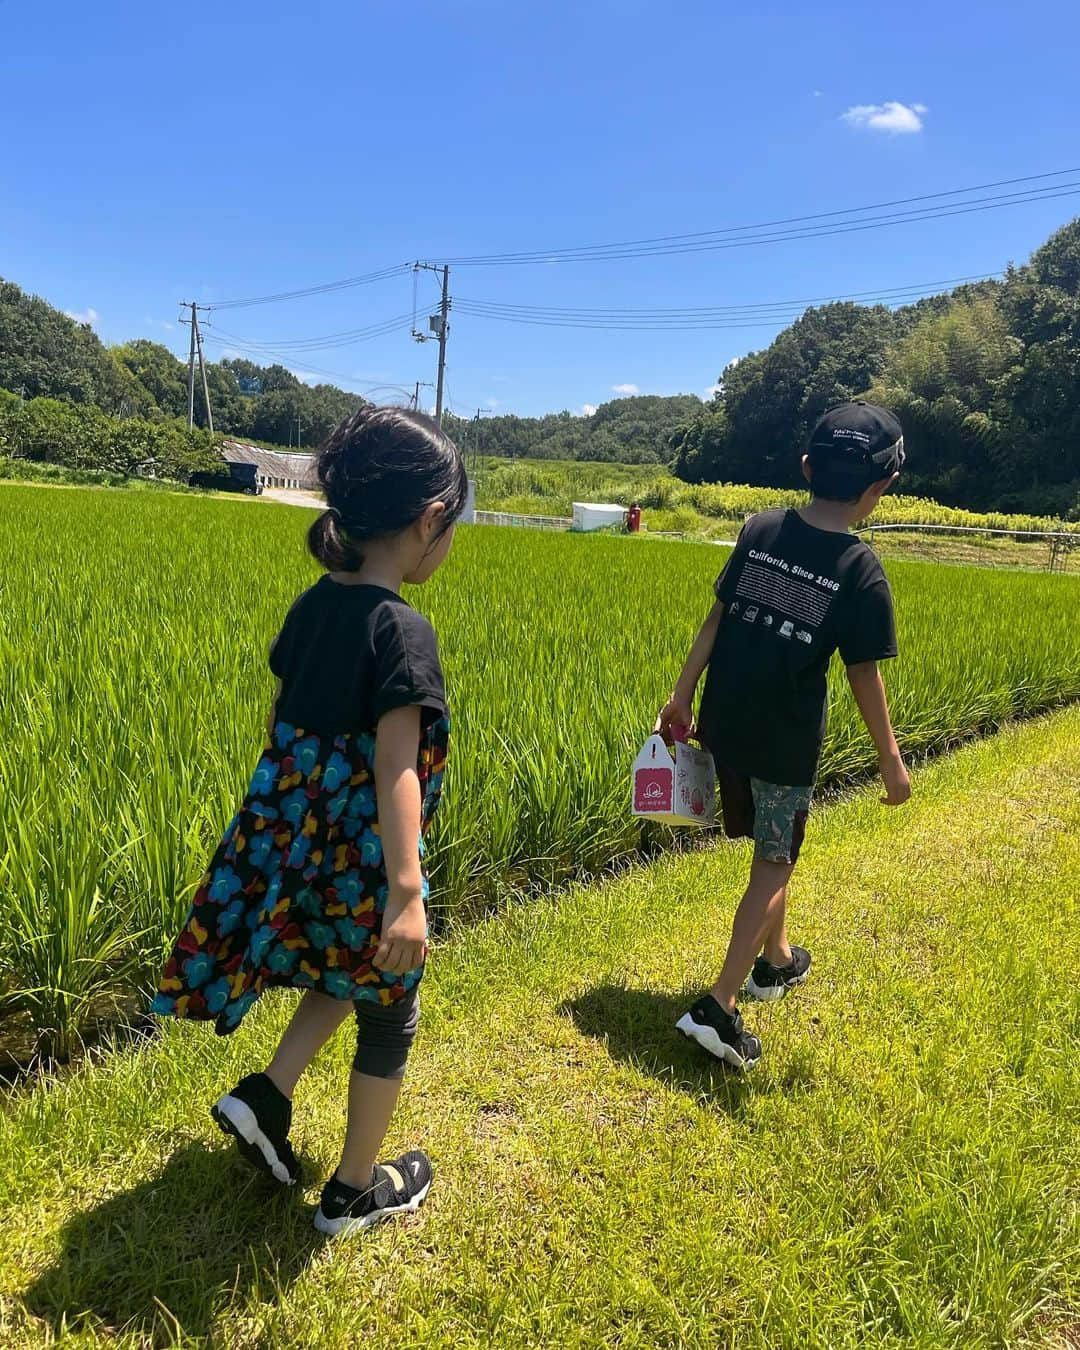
346 655
793 594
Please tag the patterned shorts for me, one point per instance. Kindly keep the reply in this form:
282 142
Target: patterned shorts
772 815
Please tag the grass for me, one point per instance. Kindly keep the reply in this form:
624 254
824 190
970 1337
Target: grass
899 1171
133 688
705 510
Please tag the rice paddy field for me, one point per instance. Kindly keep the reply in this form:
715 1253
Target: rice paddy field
134 686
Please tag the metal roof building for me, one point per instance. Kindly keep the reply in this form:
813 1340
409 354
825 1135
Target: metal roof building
274 468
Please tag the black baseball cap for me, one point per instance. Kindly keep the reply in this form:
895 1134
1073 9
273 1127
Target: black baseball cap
855 444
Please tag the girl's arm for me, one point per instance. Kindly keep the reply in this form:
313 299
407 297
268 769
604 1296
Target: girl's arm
866 685
271 717
679 709
404 928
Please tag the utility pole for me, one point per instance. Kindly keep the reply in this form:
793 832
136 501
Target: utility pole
191 369
202 370
444 331
439 324
196 347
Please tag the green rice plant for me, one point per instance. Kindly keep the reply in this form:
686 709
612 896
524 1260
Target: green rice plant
134 687
67 938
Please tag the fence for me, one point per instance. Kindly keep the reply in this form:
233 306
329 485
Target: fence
524 522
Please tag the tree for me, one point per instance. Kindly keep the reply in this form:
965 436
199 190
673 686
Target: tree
161 376
43 353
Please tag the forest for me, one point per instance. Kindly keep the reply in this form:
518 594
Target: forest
985 379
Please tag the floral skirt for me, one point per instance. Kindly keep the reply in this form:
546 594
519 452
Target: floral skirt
295 893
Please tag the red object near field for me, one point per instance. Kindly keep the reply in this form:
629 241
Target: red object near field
633 519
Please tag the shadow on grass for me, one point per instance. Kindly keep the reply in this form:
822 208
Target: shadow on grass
638 1026
166 1257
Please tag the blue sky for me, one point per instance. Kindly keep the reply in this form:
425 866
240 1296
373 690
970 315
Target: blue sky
154 153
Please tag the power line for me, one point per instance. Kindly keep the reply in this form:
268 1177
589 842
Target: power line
807 226
710 239
347 338
895 292
370 387
344 284
704 316
764 315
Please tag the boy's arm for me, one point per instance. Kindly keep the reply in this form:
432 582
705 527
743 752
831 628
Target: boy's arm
866 685
679 709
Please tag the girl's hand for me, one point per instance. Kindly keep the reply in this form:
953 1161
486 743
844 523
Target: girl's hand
676 712
404 936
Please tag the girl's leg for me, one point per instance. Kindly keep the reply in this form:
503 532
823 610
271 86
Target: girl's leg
760 909
371 1105
384 1037
315 1020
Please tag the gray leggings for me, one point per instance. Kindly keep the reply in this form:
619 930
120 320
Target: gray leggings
384 1035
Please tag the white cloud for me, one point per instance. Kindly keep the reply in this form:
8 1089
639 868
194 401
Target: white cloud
89 316
306 376
712 390
819 93
625 389
895 118
587 409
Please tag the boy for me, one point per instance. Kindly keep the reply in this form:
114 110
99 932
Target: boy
797 587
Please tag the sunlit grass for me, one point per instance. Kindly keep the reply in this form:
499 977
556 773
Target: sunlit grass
899 1171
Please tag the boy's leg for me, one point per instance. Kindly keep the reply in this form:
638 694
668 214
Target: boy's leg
315 1020
775 946
760 913
779 828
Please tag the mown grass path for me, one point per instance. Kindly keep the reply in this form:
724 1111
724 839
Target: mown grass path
901 1169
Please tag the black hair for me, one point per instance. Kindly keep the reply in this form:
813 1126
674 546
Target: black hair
380 470
844 484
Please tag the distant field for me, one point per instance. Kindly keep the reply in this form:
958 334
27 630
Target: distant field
133 685
548 487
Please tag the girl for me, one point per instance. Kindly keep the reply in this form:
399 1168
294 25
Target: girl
318 883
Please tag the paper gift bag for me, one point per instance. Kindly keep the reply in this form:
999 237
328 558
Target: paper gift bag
674 785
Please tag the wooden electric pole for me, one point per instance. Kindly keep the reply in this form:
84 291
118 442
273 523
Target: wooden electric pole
196 348
439 326
444 330
191 370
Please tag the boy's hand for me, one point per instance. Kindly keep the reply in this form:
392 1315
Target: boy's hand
894 775
676 712
404 935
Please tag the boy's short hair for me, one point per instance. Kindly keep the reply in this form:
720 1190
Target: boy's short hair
853 446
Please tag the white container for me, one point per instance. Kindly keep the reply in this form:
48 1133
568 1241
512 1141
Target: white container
679 790
597 516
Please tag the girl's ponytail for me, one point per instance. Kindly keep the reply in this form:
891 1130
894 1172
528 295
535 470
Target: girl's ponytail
329 544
